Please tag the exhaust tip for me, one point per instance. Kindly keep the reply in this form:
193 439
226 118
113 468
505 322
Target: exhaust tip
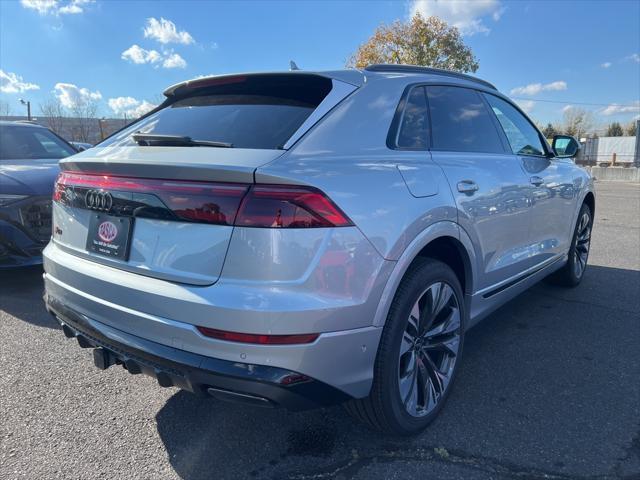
236 397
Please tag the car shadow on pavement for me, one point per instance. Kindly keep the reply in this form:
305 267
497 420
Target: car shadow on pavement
527 403
21 292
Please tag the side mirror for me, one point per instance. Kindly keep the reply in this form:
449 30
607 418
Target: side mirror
565 146
80 148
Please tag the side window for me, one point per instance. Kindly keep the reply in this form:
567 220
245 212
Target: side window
414 130
461 122
523 137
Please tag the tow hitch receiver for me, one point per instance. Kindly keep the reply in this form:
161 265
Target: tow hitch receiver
102 358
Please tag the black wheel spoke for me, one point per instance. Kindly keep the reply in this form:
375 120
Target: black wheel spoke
438 378
450 324
449 346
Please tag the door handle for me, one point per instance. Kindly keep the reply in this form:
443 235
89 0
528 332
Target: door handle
467 186
537 181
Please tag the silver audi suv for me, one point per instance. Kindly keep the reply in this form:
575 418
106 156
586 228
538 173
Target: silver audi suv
300 239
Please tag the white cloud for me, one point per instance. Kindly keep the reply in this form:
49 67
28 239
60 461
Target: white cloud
122 104
165 31
56 7
137 54
535 88
129 106
41 6
12 83
526 105
616 109
465 15
605 64
634 57
566 108
174 61
71 96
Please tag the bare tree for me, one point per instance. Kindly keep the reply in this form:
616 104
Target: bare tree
577 122
85 121
5 109
54 114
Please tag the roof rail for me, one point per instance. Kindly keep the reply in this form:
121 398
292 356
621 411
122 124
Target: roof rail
387 67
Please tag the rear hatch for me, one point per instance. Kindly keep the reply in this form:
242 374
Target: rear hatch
160 197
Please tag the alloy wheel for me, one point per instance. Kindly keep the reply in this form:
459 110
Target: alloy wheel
429 349
583 241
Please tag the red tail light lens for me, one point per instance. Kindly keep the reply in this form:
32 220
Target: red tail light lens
257 338
266 206
276 206
205 202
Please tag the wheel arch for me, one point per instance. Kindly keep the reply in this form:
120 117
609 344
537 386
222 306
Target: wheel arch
445 241
590 200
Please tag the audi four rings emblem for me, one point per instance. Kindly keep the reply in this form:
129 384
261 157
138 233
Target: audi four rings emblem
97 200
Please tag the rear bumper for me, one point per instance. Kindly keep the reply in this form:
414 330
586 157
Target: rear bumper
245 383
166 313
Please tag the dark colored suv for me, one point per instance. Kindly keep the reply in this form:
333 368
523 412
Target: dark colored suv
29 155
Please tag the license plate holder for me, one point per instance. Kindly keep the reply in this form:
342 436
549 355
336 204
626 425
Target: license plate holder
109 235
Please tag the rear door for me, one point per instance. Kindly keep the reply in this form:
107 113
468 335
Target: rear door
487 181
551 187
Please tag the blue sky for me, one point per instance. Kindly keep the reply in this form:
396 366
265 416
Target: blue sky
122 54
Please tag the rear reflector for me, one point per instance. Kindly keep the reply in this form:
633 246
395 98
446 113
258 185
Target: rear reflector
264 206
257 338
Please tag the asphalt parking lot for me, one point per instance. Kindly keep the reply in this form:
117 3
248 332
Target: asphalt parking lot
549 388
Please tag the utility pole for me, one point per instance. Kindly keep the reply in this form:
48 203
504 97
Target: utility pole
100 120
28 104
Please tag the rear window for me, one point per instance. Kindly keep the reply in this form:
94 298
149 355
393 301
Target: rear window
26 143
260 112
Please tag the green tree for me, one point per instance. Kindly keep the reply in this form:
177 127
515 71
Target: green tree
429 42
614 130
632 129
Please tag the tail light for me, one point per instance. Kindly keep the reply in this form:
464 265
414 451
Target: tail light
276 206
266 206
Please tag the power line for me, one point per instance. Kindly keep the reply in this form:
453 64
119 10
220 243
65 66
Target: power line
578 103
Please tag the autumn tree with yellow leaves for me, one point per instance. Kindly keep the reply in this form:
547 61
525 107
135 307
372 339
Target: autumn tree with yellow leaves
429 42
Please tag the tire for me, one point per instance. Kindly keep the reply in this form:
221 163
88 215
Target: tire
570 275
407 393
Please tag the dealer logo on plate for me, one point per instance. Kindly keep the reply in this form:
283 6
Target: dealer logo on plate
107 231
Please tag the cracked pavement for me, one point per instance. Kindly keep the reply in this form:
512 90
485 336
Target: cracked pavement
549 389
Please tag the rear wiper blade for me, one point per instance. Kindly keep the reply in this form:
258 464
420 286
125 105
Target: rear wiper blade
151 139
